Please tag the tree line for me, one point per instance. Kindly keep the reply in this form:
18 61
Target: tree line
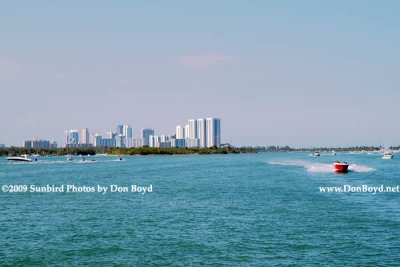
15 151
180 151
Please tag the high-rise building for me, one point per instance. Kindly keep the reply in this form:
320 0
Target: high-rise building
154 141
186 131
99 141
191 139
179 132
121 140
192 129
146 133
37 143
28 144
123 136
217 132
71 138
108 142
127 131
40 143
85 136
213 132
120 130
200 132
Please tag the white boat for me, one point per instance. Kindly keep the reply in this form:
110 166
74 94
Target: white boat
387 155
23 158
333 153
69 157
316 154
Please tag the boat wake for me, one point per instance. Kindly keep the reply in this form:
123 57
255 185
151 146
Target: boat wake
360 168
314 167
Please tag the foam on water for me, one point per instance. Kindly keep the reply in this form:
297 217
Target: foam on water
85 161
79 161
320 167
360 168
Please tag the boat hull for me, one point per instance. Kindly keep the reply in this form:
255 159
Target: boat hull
341 168
19 159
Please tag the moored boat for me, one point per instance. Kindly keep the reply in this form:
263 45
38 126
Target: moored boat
341 167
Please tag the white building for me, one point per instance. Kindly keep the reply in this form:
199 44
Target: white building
213 132
186 131
179 132
200 131
127 131
192 129
85 136
154 141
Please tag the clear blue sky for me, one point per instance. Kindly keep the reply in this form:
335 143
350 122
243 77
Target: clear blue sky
301 73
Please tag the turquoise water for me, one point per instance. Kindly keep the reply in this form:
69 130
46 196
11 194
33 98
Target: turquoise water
221 210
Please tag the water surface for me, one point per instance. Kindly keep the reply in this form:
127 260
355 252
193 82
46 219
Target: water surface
237 210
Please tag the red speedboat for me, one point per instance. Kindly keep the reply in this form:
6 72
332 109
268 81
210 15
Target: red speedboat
341 167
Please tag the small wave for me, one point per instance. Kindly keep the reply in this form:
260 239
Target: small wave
50 162
85 161
320 167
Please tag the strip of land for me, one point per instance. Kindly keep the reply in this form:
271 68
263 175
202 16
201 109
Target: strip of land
13 151
125 151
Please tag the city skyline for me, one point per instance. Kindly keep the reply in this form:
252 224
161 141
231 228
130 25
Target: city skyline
206 132
287 70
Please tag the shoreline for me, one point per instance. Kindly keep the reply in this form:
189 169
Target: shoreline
144 151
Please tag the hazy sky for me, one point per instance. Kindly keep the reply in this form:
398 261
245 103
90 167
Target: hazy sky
299 73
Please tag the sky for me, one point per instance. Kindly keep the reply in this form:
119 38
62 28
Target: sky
298 73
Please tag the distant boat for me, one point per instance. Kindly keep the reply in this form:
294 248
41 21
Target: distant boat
333 153
316 154
341 167
387 153
69 157
22 158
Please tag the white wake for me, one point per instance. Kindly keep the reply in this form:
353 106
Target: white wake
320 167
